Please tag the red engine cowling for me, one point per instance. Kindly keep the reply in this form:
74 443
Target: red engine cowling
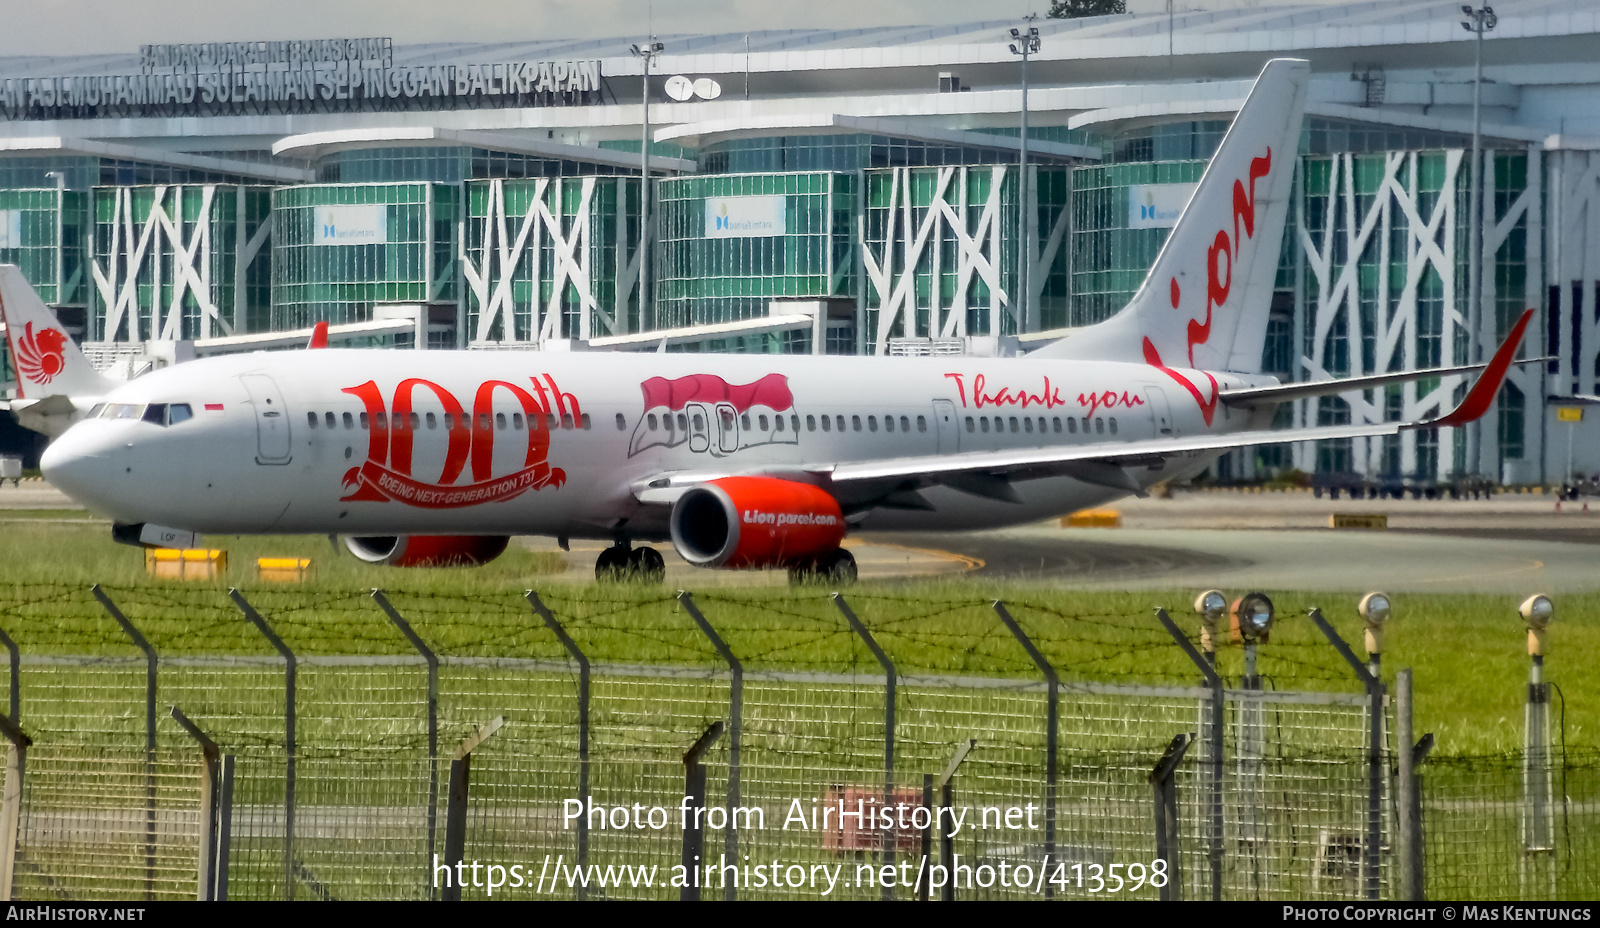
427 550
755 522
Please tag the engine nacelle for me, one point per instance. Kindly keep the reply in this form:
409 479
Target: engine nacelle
755 522
427 550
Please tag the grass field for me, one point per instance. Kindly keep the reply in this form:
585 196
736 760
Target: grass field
1467 651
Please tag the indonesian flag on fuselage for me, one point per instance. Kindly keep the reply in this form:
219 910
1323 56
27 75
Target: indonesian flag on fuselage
714 415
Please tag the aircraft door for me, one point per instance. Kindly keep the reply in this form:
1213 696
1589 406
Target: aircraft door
727 428
1166 427
699 427
944 419
272 419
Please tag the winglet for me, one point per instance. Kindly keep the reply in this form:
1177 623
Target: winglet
1488 383
319 336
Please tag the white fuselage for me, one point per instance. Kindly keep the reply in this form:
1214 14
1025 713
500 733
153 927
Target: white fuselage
558 443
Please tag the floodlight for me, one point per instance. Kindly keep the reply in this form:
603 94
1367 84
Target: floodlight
1015 35
1212 604
1375 608
1254 612
1537 611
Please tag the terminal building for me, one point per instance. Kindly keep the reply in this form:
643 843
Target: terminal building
840 192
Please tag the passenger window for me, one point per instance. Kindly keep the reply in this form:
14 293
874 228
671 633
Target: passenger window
363 422
872 423
922 423
744 421
586 422
1041 424
533 422
905 424
763 421
811 423
416 421
483 422
311 419
855 423
971 426
622 422
1100 426
727 420
1113 425
1027 425
651 421
827 423
566 420
794 422
331 421
683 422
516 421
983 423
500 421
349 422
840 423
699 423
1072 426
1055 422
888 423
1013 423
180 412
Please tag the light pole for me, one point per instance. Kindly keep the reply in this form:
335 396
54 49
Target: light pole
1479 21
646 53
1024 44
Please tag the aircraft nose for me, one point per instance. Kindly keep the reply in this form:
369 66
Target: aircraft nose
79 464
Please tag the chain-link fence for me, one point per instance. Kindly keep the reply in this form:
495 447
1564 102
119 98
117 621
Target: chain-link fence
424 746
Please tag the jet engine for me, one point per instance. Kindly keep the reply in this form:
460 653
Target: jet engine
756 522
427 550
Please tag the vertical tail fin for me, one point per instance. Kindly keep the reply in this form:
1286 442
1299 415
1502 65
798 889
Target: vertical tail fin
46 361
1205 303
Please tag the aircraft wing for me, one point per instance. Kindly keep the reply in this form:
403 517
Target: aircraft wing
989 473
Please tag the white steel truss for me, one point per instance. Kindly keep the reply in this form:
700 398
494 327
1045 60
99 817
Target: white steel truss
508 240
892 273
1574 270
1332 299
146 250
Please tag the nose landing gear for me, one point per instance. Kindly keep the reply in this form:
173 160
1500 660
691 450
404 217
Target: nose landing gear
622 563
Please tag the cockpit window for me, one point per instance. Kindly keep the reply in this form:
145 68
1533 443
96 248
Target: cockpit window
155 412
94 413
130 411
179 412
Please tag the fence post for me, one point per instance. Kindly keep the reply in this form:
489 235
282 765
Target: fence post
224 827
211 758
1372 845
735 724
891 676
1164 782
433 716
1214 743
1408 837
1052 726
150 661
947 800
583 722
288 735
455 816
11 801
694 801
927 837
15 655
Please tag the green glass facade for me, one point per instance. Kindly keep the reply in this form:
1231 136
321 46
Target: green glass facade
48 225
543 246
451 164
701 280
1110 260
340 283
176 249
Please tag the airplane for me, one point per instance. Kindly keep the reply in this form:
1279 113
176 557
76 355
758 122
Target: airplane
737 461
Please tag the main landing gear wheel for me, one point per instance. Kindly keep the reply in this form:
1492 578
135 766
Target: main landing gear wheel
622 564
836 568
